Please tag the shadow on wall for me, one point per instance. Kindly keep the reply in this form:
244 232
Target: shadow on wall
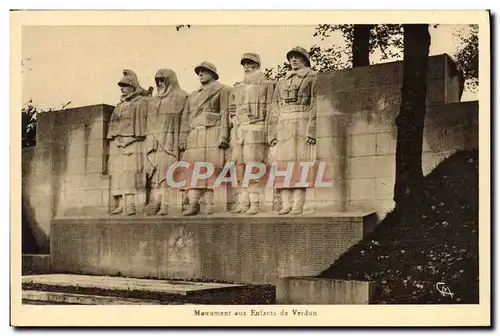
34 240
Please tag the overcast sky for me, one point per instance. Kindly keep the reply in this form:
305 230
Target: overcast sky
83 64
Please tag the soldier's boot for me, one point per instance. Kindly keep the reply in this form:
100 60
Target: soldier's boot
209 201
243 202
299 197
130 208
163 204
254 204
153 205
286 195
117 205
194 202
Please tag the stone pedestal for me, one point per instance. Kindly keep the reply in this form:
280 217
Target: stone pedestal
237 249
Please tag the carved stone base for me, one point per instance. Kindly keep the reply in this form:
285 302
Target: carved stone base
238 249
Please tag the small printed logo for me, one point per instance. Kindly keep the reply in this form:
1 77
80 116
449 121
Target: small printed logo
444 290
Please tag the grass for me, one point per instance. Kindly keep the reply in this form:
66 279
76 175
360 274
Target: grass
408 259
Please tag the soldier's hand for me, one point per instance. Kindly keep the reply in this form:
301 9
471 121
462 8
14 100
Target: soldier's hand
273 142
223 143
182 146
311 141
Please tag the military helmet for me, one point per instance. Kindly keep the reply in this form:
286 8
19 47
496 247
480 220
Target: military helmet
299 51
252 57
207 66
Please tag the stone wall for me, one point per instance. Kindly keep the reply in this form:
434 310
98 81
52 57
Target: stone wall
65 174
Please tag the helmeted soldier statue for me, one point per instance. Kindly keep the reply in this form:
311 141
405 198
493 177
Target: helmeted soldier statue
250 101
126 132
204 133
293 129
162 141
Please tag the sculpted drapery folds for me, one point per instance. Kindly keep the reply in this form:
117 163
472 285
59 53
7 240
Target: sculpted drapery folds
249 106
204 134
161 145
293 126
126 132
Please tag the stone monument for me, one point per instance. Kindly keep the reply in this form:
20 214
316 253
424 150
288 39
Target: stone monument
250 101
204 134
126 132
162 141
293 126
68 187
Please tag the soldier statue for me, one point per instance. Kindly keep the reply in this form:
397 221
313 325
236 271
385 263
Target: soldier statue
293 125
162 141
250 101
126 132
204 133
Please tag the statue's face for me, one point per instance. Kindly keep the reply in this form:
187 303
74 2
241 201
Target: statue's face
126 90
205 76
250 66
297 62
161 84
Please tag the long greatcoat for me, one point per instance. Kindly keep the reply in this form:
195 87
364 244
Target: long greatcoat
164 120
205 122
126 132
294 119
250 102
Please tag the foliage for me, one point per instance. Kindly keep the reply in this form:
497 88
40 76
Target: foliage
385 38
467 55
179 27
322 60
29 114
28 125
388 39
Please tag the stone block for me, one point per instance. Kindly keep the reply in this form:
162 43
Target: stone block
82 165
332 125
386 143
85 149
81 182
374 122
35 263
361 145
322 207
436 91
334 193
384 188
361 189
453 114
326 126
334 168
371 166
309 290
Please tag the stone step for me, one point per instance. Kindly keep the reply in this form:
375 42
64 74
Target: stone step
41 297
160 291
